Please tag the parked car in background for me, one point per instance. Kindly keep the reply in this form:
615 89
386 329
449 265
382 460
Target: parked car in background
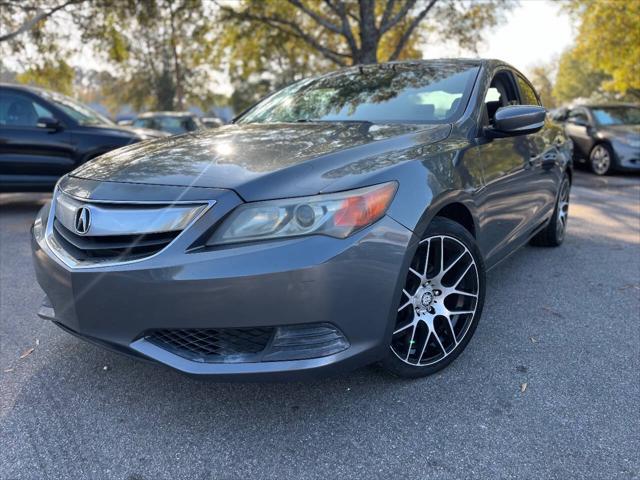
212 122
173 123
606 137
44 135
346 219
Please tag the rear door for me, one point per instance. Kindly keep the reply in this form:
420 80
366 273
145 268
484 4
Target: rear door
31 154
508 203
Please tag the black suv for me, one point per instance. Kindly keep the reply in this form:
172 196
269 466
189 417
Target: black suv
44 135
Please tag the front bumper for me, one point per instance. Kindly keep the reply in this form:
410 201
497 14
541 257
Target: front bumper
353 284
627 157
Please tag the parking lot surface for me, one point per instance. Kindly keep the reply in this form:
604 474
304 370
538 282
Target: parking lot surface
548 387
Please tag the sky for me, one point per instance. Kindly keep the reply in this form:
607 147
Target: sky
534 32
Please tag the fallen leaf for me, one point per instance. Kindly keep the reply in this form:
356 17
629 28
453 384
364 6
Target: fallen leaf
37 342
105 368
552 312
7 370
27 352
533 339
523 387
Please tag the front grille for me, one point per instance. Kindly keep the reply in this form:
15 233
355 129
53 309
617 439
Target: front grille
111 247
214 345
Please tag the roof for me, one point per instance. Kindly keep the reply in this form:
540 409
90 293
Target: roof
166 114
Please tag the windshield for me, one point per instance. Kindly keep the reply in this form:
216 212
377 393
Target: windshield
174 125
617 115
76 110
403 93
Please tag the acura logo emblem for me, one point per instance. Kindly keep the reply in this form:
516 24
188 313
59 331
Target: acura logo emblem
82 220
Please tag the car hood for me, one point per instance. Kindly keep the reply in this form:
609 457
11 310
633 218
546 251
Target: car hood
262 161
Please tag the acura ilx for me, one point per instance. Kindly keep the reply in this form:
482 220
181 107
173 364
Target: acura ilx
346 219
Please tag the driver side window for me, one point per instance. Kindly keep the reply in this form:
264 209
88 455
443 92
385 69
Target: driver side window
501 93
20 111
578 115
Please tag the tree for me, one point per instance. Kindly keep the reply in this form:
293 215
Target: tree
608 41
159 50
576 78
270 43
350 33
541 77
22 16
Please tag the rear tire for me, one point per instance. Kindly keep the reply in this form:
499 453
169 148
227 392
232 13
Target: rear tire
553 234
441 304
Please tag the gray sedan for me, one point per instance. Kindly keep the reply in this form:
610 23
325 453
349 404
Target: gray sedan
346 219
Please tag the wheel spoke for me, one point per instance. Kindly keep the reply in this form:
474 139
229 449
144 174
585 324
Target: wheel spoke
461 312
453 333
426 260
454 262
464 274
424 347
435 334
402 329
417 274
404 306
413 334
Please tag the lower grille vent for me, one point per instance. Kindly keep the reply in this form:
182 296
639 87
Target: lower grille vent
214 345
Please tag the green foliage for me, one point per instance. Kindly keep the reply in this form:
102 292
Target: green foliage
160 50
576 78
608 43
541 77
56 76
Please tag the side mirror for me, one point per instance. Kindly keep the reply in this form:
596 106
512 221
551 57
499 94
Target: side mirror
48 123
517 120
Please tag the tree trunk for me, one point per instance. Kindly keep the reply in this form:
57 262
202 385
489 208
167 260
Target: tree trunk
369 35
176 61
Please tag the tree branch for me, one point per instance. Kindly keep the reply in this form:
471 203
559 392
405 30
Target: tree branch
289 28
412 26
319 19
340 9
388 10
38 17
393 21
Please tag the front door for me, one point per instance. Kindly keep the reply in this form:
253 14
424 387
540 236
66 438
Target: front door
507 203
29 153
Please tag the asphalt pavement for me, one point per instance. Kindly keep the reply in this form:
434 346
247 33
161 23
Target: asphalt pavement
548 387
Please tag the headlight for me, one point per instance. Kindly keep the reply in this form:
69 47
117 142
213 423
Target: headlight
336 214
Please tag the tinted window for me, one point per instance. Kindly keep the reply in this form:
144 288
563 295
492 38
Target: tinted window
403 93
527 94
175 125
617 115
76 110
578 114
20 110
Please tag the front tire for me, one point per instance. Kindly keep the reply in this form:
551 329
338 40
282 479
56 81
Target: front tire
441 302
601 159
